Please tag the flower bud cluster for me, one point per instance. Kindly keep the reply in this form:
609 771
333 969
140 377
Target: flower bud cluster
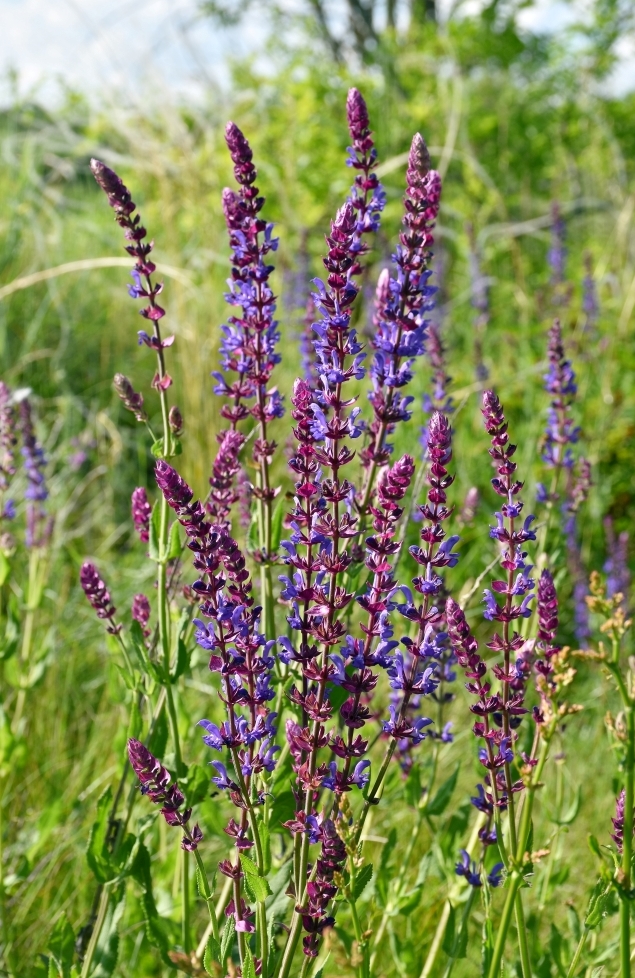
157 786
402 302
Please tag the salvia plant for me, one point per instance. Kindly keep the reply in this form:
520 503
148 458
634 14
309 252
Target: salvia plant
312 582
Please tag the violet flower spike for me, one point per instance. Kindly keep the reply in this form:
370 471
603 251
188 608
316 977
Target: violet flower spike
98 596
141 513
155 783
367 194
38 527
401 326
143 287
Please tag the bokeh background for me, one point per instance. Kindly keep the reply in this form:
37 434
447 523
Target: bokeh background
525 107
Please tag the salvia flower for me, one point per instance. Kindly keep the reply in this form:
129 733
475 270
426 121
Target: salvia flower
98 596
590 302
560 383
557 254
367 194
142 287
141 513
401 324
618 822
250 337
141 612
38 527
618 577
156 784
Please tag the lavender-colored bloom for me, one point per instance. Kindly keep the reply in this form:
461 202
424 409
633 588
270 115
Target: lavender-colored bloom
156 785
38 528
98 595
367 194
141 612
560 383
557 254
401 324
141 513
467 868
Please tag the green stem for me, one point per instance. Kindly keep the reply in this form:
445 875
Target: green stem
457 940
185 909
32 601
578 952
164 631
523 945
97 929
207 895
515 878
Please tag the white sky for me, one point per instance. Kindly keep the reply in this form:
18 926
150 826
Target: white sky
92 44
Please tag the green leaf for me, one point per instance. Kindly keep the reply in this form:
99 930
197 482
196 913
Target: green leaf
265 842
212 955
227 938
413 786
155 525
62 946
157 448
253 535
441 799
276 523
362 879
5 567
282 809
572 811
424 868
450 932
159 738
182 660
594 846
154 928
598 903
97 854
249 968
256 886
387 851
175 547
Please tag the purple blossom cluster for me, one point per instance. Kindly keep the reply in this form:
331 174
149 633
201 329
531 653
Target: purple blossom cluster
157 785
401 305
248 347
38 525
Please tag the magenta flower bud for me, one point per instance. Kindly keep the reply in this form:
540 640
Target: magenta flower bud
175 420
141 612
141 513
98 596
131 399
356 114
119 196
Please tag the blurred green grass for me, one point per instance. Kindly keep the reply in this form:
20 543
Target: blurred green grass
509 143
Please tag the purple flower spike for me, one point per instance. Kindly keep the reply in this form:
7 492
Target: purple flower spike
248 347
156 785
38 527
131 399
141 612
367 194
99 596
403 301
141 513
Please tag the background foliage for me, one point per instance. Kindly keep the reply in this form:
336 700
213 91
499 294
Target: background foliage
514 122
